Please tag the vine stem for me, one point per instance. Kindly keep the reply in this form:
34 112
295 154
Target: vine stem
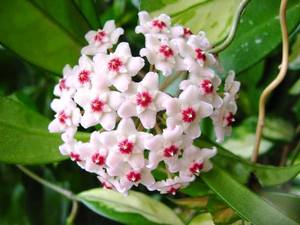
233 28
68 194
268 90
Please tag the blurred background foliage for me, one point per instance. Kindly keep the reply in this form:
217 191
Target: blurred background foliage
39 37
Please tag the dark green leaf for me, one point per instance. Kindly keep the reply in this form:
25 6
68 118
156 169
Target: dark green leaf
88 9
136 208
24 135
67 15
258 35
34 36
289 203
294 58
241 168
247 204
212 16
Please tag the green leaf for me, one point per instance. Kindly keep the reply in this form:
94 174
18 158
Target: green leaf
240 168
212 16
88 9
247 204
295 89
67 15
25 138
202 219
136 208
294 58
34 36
257 35
288 203
243 137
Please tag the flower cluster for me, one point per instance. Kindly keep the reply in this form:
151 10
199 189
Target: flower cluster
137 127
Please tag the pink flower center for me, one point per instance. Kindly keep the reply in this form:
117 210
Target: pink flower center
62 85
115 64
188 115
170 151
97 105
98 159
84 76
200 55
62 117
99 36
143 99
196 167
207 86
75 157
134 176
159 24
187 32
229 118
166 51
125 146
172 190
106 185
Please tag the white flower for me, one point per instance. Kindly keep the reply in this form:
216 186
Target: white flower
162 54
231 86
223 117
117 68
195 160
101 40
126 145
145 101
167 147
159 26
99 106
207 86
187 111
83 72
67 116
65 85
172 185
194 52
181 32
133 177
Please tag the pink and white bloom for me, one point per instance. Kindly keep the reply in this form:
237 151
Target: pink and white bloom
65 85
223 117
172 185
144 101
99 106
187 111
163 54
207 86
195 160
67 116
231 86
194 52
117 68
167 147
83 73
126 145
181 32
159 26
102 39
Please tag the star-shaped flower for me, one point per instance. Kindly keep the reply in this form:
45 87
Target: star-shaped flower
103 39
163 54
144 100
187 111
99 106
117 68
